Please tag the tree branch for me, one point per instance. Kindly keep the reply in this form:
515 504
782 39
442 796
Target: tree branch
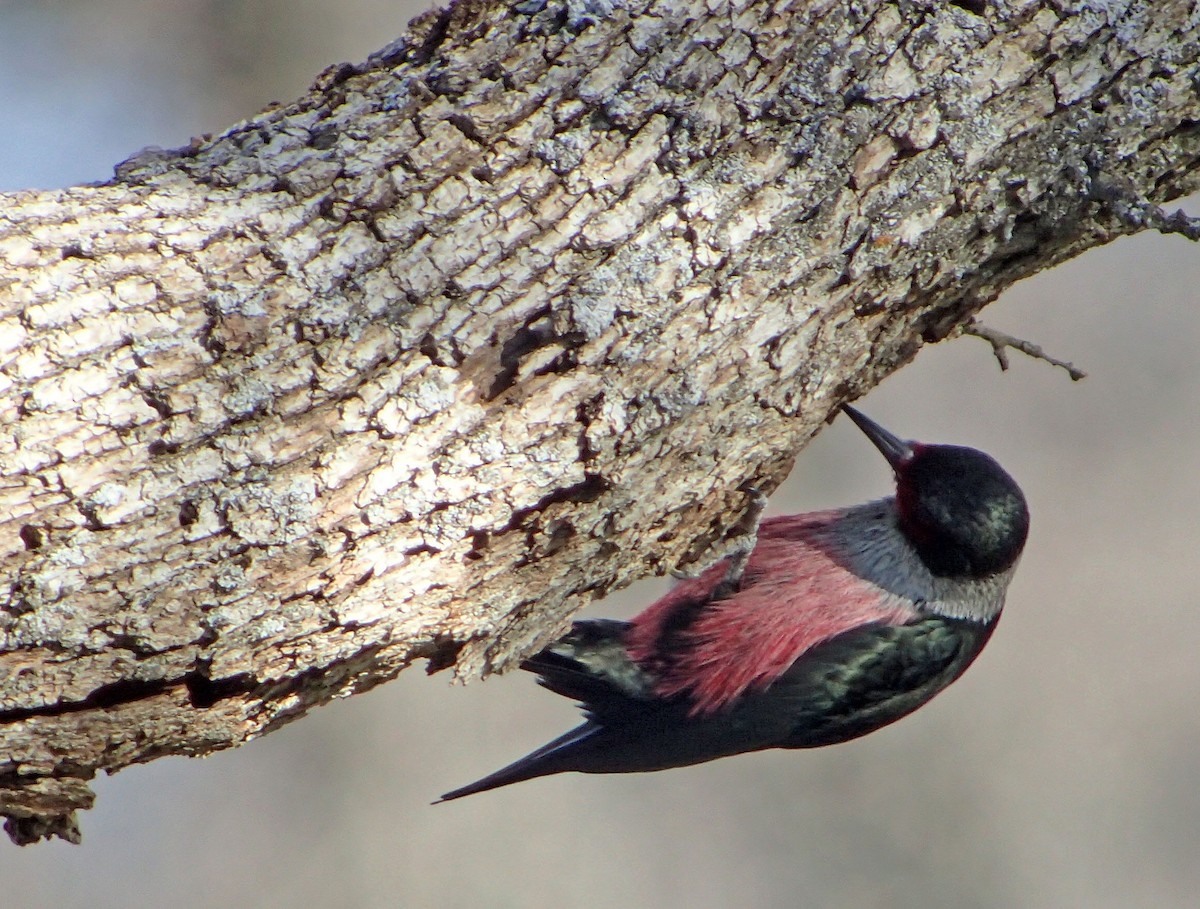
496 322
1139 213
1001 342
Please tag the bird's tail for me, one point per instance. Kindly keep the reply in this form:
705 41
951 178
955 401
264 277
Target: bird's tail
553 757
590 665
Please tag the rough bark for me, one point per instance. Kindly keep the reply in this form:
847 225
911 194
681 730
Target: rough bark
497 321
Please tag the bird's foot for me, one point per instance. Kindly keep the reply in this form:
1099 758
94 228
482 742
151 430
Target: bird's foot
744 543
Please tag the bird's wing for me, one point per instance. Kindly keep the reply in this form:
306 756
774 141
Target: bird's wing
590 664
797 592
870 677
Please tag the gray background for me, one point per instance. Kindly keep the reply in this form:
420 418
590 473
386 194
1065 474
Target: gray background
1061 771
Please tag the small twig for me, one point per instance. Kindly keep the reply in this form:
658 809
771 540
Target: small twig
1140 213
1001 342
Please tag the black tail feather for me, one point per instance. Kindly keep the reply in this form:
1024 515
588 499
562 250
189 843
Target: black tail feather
589 665
553 757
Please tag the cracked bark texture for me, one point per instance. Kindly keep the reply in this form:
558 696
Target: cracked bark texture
477 330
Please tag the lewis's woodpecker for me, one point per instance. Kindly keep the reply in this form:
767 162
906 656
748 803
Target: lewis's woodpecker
839 622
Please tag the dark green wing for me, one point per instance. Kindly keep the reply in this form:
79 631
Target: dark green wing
868 678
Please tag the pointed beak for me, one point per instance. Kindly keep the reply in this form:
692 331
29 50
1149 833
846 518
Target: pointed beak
896 450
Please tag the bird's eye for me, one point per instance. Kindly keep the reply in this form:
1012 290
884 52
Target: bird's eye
963 513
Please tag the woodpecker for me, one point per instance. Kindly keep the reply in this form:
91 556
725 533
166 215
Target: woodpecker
838 623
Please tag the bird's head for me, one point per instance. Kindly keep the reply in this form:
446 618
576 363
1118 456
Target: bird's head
964 515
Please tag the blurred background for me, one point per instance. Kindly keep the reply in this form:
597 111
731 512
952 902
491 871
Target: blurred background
1063 770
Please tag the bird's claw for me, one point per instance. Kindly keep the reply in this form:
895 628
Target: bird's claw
745 542
758 500
743 539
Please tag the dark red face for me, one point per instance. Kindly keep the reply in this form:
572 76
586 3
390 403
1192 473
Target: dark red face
963 513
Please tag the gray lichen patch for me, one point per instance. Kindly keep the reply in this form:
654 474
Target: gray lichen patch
498 321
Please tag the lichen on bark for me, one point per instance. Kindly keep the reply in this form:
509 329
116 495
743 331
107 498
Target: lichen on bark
498 320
